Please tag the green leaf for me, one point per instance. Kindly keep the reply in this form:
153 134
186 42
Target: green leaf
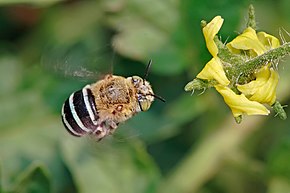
29 131
33 179
8 66
109 167
87 19
279 158
1 185
145 30
68 46
37 2
279 184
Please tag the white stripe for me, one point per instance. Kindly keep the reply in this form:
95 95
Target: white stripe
67 124
74 113
87 103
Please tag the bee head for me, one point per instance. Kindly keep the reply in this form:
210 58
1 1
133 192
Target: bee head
144 92
145 95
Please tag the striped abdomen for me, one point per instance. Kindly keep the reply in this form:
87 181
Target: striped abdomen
79 114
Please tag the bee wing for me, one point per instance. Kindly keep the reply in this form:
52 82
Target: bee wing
78 61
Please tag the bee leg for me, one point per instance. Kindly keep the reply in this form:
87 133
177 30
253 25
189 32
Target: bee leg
112 125
101 131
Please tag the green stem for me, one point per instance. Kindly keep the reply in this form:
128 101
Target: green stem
272 55
279 110
252 19
199 84
242 70
237 68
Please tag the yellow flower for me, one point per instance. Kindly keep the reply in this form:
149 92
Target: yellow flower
263 89
213 70
253 94
256 44
239 104
268 41
248 40
209 32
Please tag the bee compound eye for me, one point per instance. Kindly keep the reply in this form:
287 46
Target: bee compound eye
136 80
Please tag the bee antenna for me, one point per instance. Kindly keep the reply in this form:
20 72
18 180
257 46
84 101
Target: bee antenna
158 97
147 71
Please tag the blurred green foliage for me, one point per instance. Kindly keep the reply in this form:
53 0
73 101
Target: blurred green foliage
188 144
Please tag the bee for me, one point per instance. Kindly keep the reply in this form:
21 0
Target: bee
98 108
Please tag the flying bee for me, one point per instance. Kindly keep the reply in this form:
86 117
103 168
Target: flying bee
98 108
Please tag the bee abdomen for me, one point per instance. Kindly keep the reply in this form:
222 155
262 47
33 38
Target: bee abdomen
79 113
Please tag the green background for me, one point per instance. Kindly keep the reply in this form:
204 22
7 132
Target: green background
188 144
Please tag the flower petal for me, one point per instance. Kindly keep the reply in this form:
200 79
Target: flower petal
250 88
263 89
248 40
239 104
267 92
209 32
213 70
268 41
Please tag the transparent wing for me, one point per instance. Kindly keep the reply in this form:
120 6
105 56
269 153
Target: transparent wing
82 61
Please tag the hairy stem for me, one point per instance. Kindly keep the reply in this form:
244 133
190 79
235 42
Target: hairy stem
269 56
